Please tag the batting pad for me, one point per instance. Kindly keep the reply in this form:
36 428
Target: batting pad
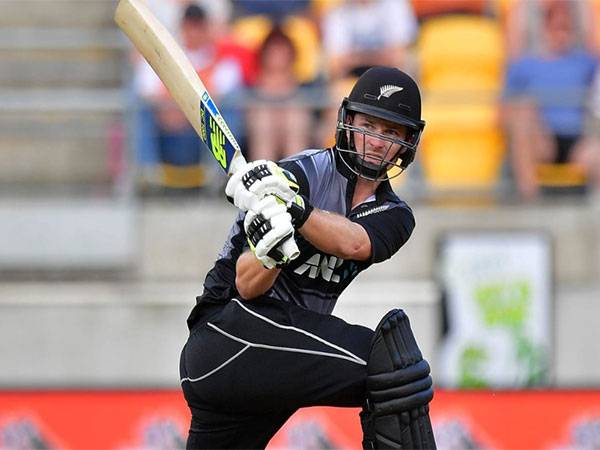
399 389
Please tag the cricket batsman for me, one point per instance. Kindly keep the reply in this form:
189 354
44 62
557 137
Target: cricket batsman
263 342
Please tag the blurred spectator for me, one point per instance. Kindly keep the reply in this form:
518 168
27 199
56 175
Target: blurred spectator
164 134
545 95
524 23
168 12
362 33
277 122
251 30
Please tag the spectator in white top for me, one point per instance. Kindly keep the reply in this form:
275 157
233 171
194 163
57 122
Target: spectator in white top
362 33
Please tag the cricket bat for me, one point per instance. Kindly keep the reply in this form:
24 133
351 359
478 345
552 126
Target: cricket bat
172 66
161 51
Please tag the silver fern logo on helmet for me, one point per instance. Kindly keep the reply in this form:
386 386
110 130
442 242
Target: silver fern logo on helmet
388 90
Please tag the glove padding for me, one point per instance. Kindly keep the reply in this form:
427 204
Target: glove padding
267 228
256 180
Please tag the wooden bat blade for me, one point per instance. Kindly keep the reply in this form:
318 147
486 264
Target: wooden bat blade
172 66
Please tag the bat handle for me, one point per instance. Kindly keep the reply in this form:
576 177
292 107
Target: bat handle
290 249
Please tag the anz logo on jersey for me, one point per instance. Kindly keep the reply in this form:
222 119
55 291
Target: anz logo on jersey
325 266
322 265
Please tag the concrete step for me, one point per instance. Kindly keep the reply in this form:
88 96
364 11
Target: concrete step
131 333
73 100
115 334
57 136
57 13
88 68
61 157
48 38
42 161
69 58
93 235
57 123
179 240
200 228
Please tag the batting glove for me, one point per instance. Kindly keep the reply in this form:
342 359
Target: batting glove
270 233
256 180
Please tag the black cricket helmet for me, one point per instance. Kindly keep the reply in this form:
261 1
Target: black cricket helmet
385 93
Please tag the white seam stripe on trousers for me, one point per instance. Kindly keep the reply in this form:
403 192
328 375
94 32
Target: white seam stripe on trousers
284 349
352 358
206 375
265 346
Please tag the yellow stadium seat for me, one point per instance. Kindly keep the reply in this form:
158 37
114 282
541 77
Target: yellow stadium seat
461 146
561 175
182 177
462 63
459 52
251 30
305 37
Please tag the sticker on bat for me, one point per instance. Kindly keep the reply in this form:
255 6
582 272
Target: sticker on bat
217 143
210 104
217 137
203 123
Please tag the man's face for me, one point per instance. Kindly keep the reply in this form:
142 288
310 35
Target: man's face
558 24
196 34
373 148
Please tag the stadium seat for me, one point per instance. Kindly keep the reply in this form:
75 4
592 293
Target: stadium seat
182 177
461 52
462 147
251 30
305 36
462 62
566 175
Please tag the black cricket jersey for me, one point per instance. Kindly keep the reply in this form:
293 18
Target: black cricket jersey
315 279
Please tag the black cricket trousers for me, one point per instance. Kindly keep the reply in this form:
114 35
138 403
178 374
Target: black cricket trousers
248 366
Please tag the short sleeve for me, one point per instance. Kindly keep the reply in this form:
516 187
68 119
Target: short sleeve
388 230
516 81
